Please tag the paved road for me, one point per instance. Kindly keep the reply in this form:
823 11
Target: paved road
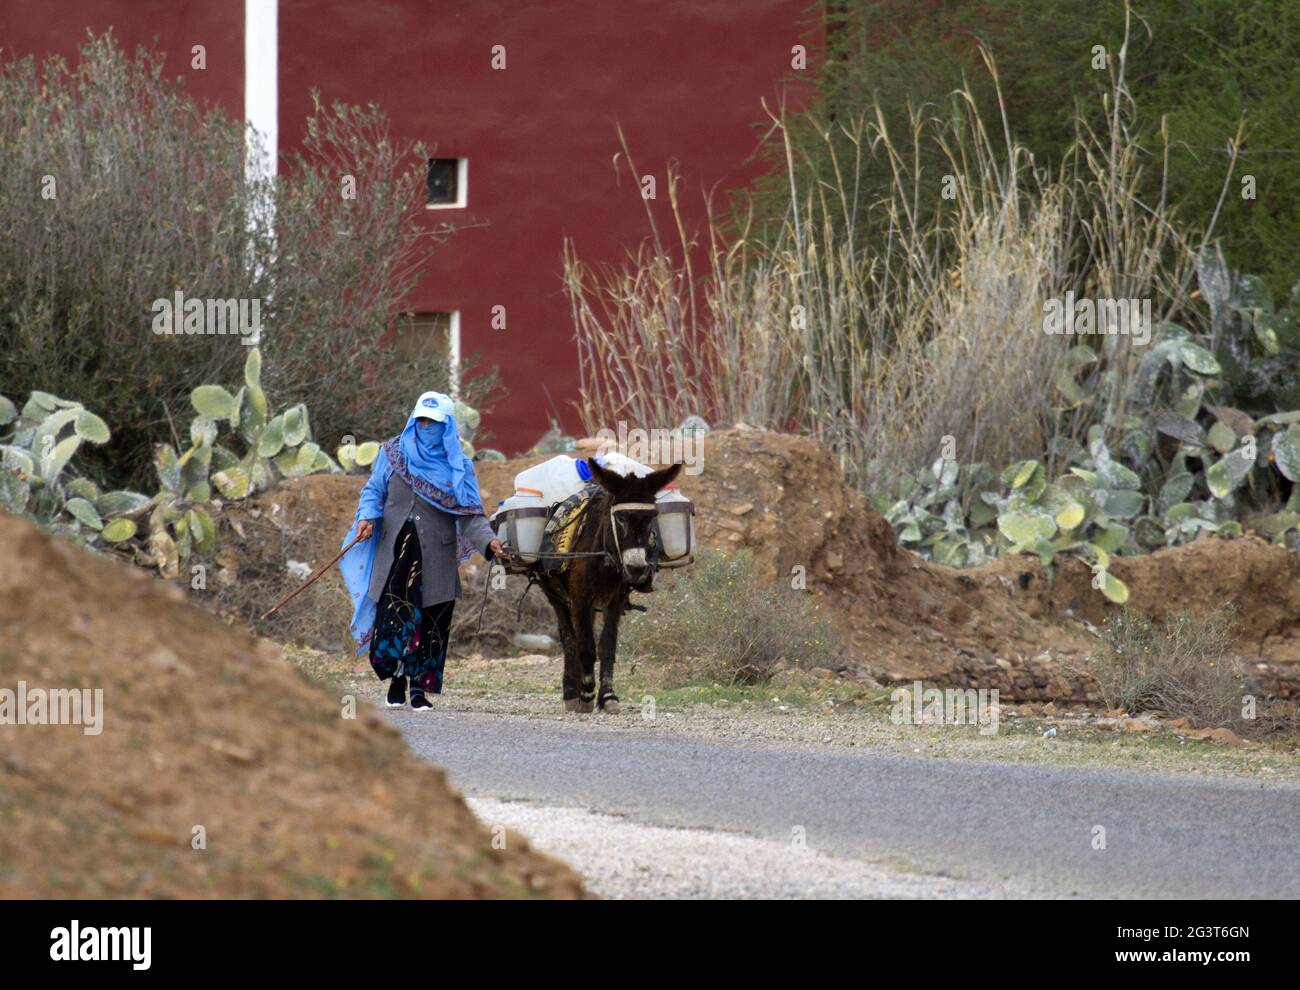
1027 829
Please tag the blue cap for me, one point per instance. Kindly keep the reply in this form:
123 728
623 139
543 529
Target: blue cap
584 472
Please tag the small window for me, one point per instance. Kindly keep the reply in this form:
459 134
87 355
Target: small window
445 183
433 338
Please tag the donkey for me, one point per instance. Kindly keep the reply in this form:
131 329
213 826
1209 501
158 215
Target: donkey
616 533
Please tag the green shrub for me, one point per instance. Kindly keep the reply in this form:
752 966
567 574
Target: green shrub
116 190
1195 68
718 621
1183 666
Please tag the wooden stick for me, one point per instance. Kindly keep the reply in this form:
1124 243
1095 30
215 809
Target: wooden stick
301 588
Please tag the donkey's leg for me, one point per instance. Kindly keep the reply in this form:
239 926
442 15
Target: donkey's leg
607 699
568 640
572 684
584 622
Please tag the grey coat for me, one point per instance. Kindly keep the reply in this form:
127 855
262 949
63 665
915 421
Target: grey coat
440 574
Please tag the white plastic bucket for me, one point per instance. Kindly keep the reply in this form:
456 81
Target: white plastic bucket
525 514
676 528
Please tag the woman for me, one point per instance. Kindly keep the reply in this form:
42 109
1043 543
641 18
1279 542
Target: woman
418 516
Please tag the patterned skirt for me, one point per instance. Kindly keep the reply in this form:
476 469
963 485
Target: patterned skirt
410 640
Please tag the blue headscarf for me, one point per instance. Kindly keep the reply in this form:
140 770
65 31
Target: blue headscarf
431 454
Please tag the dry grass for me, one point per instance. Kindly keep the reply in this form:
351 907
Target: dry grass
718 623
1183 666
882 350
489 626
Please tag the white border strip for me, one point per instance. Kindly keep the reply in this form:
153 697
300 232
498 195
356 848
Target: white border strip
262 84
453 352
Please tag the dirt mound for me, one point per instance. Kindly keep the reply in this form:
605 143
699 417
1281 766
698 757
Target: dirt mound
1260 579
1006 625
209 739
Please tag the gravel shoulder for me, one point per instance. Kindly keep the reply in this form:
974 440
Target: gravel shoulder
622 859
805 712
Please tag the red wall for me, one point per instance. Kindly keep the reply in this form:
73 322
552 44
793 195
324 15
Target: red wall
169 27
684 80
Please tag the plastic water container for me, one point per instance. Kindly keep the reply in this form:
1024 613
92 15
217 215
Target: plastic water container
676 528
555 479
622 464
525 517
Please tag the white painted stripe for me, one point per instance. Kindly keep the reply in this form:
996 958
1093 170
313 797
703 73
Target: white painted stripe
262 84
453 351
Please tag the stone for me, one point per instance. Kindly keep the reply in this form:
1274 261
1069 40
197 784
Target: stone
234 753
1219 735
167 661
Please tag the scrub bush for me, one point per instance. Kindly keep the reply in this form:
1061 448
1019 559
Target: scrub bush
1183 666
717 621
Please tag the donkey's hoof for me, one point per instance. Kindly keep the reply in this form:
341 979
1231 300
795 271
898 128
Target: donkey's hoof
572 705
586 706
609 706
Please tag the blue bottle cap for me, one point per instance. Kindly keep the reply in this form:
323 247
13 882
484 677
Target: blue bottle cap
584 472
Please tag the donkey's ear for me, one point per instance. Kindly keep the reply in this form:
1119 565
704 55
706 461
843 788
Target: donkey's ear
663 477
608 480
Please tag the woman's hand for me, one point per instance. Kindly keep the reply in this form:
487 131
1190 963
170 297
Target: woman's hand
497 548
365 529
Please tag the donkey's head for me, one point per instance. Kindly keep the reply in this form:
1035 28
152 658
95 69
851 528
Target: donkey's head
632 515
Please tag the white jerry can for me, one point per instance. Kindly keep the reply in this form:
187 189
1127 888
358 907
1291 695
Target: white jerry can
556 479
525 516
676 528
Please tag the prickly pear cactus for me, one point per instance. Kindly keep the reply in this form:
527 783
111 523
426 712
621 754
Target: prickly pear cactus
38 478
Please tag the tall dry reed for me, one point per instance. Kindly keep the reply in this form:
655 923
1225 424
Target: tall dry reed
927 340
